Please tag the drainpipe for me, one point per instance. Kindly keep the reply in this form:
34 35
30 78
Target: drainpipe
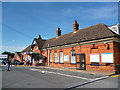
48 57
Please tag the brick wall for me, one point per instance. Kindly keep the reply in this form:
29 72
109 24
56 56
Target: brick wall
87 50
17 57
117 56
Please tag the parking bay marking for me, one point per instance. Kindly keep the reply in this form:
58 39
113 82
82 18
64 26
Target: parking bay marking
70 75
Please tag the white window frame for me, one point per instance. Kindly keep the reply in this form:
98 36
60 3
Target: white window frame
50 56
73 57
55 57
61 58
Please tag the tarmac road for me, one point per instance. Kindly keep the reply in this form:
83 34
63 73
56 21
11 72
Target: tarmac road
31 77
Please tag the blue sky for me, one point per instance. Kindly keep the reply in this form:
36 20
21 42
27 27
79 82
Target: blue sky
24 21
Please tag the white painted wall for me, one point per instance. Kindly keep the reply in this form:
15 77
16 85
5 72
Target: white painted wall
115 28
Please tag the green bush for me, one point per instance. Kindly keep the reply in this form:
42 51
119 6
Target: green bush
37 63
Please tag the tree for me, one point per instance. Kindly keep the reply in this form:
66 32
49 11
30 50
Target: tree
9 54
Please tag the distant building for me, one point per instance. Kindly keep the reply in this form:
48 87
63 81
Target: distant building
115 28
17 56
93 48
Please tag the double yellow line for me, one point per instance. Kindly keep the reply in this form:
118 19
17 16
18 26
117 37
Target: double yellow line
113 75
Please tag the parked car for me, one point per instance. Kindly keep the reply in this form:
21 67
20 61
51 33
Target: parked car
16 62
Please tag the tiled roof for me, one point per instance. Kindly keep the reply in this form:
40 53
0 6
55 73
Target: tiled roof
86 34
26 49
19 54
95 32
40 42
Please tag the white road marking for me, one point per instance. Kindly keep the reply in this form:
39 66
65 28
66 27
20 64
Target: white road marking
60 74
89 80
42 71
100 78
34 69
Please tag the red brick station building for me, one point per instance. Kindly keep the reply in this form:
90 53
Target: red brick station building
95 48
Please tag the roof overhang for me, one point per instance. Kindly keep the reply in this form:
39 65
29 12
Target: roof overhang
31 53
115 39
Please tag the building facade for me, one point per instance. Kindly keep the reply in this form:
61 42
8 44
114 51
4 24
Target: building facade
17 56
93 48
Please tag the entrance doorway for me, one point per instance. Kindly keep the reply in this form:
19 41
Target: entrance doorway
80 62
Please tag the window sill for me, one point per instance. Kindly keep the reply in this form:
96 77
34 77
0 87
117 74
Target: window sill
95 64
55 62
61 63
72 63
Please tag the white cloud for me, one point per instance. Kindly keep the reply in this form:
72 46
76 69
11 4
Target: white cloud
13 40
92 13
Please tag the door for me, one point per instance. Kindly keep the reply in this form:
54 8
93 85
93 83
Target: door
80 62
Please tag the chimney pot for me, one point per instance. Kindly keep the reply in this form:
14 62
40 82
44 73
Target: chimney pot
75 25
39 37
58 32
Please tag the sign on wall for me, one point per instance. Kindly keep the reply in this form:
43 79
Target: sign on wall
107 57
66 58
5 56
94 58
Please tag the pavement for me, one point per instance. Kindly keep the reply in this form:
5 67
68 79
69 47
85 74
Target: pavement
67 69
48 77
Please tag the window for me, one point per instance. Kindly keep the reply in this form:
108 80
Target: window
50 57
66 58
36 48
61 57
93 46
55 55
43 54
29 57
73 58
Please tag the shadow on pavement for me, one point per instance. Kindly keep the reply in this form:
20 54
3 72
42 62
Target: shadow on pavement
92 81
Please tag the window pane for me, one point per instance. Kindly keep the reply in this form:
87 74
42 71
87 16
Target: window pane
61 57
50 57
73 58
55 54
43 54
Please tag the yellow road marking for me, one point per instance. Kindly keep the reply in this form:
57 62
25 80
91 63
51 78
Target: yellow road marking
116 76
110 74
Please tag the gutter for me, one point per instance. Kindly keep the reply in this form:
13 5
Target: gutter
88 42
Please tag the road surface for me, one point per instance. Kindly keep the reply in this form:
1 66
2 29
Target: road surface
32 77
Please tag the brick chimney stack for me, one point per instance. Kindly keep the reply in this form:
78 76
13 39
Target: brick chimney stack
58 32
75 25
39 37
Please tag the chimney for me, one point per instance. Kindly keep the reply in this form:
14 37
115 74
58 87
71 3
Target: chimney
39 37
75 25
58 32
